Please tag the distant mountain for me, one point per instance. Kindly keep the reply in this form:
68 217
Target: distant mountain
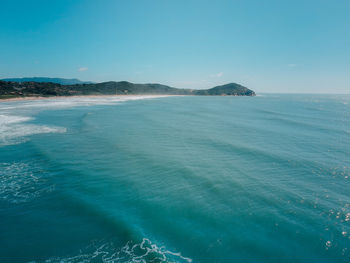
25 89
231 89
52 80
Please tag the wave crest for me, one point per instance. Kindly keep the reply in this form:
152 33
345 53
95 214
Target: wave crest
143 252
15 129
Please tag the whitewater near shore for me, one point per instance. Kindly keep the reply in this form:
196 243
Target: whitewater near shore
17 115
121 97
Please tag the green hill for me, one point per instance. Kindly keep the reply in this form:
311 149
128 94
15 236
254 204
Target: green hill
10 89
61 81
231 89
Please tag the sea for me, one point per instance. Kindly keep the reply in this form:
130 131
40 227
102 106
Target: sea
175 179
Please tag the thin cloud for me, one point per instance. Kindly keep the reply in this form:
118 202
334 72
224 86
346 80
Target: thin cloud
217 75
83 69
292 65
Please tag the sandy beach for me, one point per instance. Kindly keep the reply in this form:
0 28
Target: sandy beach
84 96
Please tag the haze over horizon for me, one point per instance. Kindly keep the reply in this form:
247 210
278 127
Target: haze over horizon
270 46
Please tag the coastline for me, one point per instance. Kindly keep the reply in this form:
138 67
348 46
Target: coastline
33 98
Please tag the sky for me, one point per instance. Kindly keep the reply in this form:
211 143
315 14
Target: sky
294 46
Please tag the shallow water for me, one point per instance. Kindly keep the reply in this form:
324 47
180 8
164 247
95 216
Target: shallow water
176 179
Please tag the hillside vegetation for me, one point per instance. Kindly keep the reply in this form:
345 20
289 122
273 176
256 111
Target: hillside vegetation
10 89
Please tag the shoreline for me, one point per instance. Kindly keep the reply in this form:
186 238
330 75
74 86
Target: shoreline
29 98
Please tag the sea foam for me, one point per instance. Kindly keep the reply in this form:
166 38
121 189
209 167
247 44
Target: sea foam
21 182
131 252
15 116
14 129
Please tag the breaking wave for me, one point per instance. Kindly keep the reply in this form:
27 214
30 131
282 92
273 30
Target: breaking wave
131 252
15 129
14 116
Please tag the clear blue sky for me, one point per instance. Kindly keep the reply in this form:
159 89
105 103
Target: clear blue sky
269 46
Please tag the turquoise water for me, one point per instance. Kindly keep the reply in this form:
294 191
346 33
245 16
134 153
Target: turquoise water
176 179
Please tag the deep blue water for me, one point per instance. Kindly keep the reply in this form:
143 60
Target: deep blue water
176 179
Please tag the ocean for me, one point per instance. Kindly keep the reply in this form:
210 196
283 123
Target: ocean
176 179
